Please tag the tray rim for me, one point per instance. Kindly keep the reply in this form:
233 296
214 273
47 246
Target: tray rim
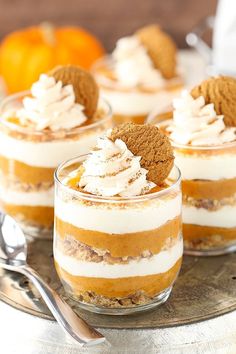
192 320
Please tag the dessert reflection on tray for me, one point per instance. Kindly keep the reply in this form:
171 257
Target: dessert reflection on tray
19 289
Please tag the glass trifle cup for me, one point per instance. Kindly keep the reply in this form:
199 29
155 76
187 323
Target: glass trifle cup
133 104
207 160
28 159
209 198
140 74
117 255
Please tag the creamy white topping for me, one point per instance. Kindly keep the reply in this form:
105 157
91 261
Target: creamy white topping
198 124
112 169
134 217
133 65
157 264
52 106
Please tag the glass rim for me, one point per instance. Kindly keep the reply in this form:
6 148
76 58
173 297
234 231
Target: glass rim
104 81
97 198
103 59
115 84
79 129
196 147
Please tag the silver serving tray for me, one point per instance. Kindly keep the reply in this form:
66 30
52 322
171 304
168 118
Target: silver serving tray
206 288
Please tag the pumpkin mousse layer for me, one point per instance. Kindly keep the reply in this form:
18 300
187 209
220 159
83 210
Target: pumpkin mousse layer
206 189
117 223
203 134
125 244
121 292
38 216
200 237
140 75
40 130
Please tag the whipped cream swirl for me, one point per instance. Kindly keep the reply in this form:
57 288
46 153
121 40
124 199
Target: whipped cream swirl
52 106
198 124
133 65
112 170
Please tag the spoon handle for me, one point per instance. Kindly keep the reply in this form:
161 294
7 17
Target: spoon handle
65 316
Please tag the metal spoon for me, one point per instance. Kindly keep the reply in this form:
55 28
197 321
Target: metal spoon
13 255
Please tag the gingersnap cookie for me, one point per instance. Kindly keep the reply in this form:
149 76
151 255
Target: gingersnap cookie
161 49
222 92
148 142
85 87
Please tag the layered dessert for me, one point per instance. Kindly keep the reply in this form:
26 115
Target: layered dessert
140 74
203 133
60 116
117 242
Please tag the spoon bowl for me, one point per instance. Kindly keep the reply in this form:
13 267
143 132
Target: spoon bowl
13 257
13 246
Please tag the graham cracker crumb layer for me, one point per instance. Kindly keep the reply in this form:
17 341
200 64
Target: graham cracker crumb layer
80 251
209 204
138 298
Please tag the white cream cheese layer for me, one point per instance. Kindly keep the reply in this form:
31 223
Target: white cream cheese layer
223 217
138 103
39 198
115 220
157 264
211 167
45 154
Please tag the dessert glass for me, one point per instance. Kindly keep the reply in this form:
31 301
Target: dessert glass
117 255
133 104
28 159
209 197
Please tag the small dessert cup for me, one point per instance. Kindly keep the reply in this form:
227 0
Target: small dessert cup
28 159
133 104
117 255
209 196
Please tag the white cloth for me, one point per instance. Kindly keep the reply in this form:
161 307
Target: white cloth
224 38
21 333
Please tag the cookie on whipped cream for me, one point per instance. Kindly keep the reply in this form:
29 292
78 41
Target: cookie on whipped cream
222 92
148 142
85 87
161 49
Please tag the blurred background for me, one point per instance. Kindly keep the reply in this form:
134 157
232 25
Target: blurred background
108 19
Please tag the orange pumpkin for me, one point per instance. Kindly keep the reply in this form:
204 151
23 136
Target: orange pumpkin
27 53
